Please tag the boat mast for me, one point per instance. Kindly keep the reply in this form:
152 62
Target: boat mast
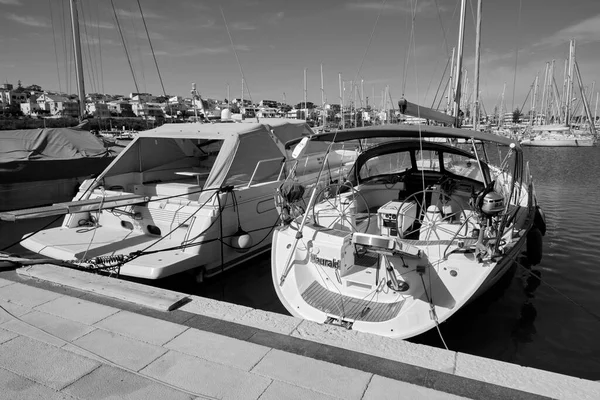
362 91
584 99
78 59
341 99
451 81
543 104
354 88
322 98
476 72
550 86
596 109
305 108
461 40
501 114
570 82
563 104
533 100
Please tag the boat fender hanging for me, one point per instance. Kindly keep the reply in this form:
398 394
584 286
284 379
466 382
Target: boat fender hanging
534 246
402 104
539 220
241 241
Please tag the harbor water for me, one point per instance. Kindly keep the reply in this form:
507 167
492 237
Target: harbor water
551 324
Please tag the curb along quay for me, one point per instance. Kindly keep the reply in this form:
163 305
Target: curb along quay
116 339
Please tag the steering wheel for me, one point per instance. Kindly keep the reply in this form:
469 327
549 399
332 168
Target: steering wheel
339 200
426 219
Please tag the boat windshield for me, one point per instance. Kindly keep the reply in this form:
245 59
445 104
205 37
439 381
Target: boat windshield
165 159
463 166
392 163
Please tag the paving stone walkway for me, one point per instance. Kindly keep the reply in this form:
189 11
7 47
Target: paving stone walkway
60 343
55 346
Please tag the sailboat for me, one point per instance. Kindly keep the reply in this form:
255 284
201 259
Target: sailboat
421 224
564 135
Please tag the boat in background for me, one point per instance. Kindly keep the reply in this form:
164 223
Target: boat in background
563 134
182 197
555 136
45 166
115 134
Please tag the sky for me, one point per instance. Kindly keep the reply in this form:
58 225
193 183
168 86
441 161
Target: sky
272 42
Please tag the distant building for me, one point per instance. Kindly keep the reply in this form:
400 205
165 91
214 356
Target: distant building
30 107
97 109
246 102
58 105
120 108
95 97
148 110
268 103
142 97
267 112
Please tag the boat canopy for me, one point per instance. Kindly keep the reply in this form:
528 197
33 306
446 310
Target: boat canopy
407 131
50 144
240 147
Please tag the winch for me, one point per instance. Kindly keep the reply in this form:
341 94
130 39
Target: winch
492 204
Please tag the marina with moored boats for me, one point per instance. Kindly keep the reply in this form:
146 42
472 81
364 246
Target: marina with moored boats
249 240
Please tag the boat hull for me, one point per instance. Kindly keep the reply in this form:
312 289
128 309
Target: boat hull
400 319
559 143
37 183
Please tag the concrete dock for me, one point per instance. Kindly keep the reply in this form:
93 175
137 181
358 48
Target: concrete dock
93 337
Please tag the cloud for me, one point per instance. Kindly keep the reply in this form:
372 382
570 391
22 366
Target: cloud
94 41
242 26
276 18
133 14
28 20
213 50
101 25
586 31
11 2
208 24
159 53
400 6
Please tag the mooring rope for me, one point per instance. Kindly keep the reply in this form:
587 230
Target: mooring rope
596 316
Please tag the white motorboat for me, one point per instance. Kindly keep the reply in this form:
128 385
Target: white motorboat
180 197
420 226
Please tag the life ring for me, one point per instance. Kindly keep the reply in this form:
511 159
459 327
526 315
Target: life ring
539 220
534 246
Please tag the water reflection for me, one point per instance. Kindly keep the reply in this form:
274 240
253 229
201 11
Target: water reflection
524 330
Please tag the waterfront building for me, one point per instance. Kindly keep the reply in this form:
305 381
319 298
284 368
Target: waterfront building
97 109
268 103
142 97
120 108
30 107
267 112
147 110
58 105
